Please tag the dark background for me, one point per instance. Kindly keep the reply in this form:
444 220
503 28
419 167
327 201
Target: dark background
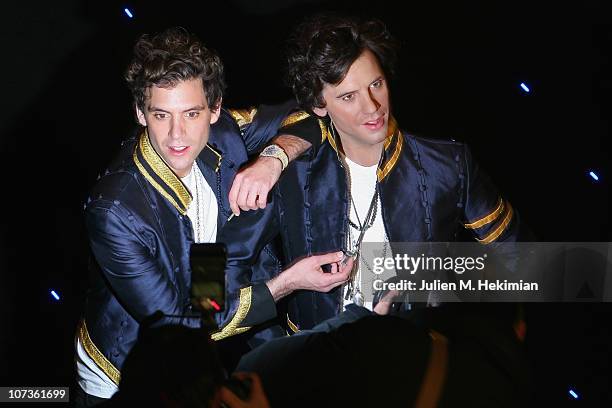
64 110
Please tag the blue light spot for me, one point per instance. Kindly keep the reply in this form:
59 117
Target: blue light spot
55 295
525 88
573 394
128 12
595 176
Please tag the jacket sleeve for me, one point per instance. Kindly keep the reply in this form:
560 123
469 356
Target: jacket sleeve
130 267
307 127
248 300
259 125
487 214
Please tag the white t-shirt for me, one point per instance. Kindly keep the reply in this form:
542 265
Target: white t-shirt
363 184
202 212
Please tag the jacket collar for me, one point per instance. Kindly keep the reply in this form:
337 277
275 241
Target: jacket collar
393 145
155 170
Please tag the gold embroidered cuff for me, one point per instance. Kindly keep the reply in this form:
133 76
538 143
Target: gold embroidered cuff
96 355
242 311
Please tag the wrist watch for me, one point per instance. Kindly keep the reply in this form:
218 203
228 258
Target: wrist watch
276 151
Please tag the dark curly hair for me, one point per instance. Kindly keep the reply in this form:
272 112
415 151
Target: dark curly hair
322 49
170 57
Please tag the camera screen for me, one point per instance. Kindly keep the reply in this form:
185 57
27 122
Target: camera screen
208 277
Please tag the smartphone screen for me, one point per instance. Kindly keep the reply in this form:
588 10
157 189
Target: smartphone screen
208 277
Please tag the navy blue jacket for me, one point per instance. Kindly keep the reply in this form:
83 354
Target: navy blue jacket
428 190
140 237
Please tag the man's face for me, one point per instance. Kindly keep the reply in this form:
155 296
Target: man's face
359 105
178 121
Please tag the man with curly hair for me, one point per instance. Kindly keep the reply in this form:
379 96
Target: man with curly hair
169 187
369 181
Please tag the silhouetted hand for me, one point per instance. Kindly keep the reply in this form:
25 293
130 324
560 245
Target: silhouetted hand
256 399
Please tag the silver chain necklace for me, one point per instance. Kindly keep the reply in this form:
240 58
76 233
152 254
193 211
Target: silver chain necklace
197 189
354 289
194 178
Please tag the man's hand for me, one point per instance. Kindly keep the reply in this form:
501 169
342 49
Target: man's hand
253 183
307 274
257 397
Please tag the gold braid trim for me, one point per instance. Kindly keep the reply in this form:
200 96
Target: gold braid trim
500 229
487 219
292 325
294 118
219 157
159 188
164 172
244 306
382 173
388 141
330 138
243 117
390 132
96 355
328 134
325 134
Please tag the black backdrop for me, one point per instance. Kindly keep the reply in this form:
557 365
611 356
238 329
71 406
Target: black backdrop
64 110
